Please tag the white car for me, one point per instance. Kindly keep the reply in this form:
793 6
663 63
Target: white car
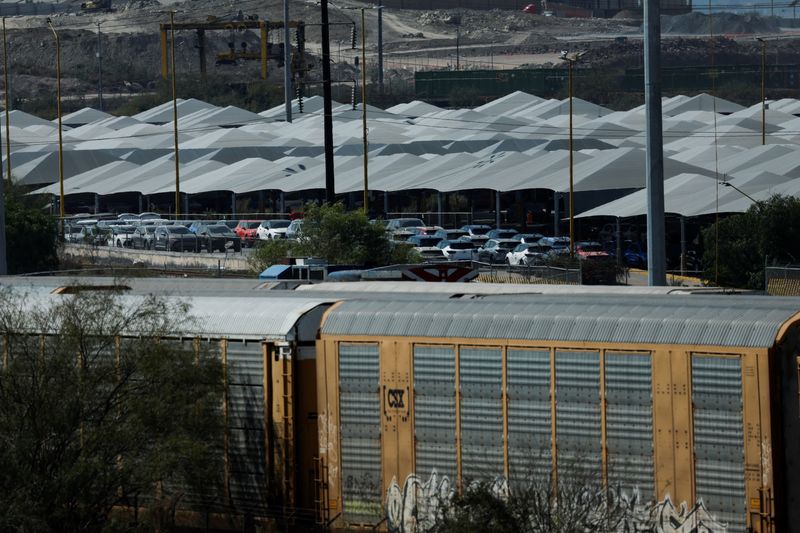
457 250
121 236
272 229
525 254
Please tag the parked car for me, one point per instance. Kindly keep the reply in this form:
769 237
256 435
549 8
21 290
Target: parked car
526 254
148 216
176 238
451 234
143 236
121 236
230 223
72 233
197 224
423 241
128 217
635 255
476 240
502 233
590 250
218 237
556 243
527 237
476 229
457 250
272 229
430 255
246 230
294 229
495 250
403 224
91 235
425 230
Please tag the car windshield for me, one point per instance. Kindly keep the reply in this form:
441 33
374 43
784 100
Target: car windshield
431 241
149 229
279 223
251 225
410 223
505 234
479 230
591 247
124 229
183 230
460 246
218 229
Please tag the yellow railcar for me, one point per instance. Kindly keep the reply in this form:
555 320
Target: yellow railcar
687 404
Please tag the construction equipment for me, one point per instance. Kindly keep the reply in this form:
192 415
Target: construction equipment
242 24
96 6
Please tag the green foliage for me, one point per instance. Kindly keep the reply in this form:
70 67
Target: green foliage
270 252
340 237
765 233
31 235
90 420
575 505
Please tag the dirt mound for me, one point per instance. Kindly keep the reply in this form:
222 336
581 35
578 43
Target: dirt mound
720 23
627 14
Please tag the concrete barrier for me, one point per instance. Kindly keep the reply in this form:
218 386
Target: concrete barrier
104 255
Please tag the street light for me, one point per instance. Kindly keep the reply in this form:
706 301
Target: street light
763 90
58 112
364 108
571 59
740 191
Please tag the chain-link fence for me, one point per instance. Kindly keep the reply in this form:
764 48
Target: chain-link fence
782 281
544 275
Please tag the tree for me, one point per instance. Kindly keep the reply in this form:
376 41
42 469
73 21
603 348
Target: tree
92 419
340 237
765 232
31 235
577 503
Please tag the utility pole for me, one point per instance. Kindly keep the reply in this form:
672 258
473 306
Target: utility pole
175 117
8 102
330 187
380 46
656 248
99 69
3 262
364 109
287 62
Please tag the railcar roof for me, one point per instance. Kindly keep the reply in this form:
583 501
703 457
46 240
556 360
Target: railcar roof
743 321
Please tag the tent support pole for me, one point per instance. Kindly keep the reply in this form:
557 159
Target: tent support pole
497 208
683 245
439 205
618 230
282 202
141 201
233 201
97 204
385 204
556 214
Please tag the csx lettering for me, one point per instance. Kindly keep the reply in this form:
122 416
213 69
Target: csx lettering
395 398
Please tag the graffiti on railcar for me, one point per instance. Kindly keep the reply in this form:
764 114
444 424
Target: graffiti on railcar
418 504
666 519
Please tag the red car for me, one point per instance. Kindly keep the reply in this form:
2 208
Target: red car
590 250
531 8
246 231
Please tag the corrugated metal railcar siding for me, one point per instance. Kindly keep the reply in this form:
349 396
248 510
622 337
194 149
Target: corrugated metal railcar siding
719 438
435 410
578 432
629 422
360 420
529 435
481 371
246 419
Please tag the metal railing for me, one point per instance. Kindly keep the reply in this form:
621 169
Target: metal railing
782 281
